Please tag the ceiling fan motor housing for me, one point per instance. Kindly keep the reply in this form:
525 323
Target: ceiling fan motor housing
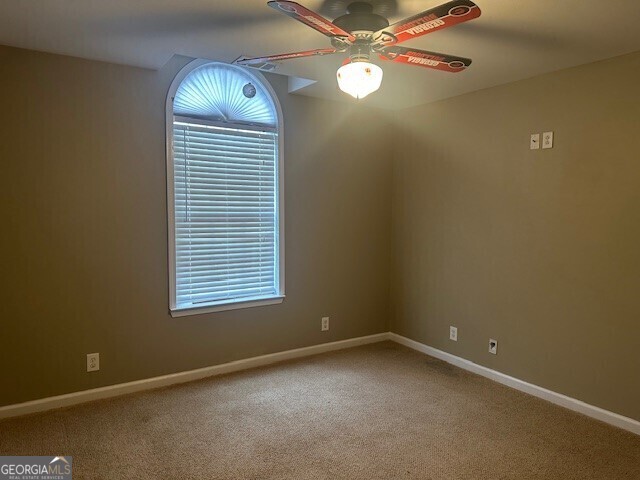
361 22
360 17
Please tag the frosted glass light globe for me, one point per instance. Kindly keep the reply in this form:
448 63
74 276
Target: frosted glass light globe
359 79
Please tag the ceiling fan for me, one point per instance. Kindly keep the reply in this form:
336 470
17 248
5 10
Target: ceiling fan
363 33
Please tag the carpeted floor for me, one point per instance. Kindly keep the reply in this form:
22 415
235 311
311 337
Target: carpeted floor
380 411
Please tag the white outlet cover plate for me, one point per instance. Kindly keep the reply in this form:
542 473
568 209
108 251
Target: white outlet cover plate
325 324
547 140
453 334
93 362
493 346
535 141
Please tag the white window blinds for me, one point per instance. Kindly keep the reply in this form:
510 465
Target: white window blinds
226 214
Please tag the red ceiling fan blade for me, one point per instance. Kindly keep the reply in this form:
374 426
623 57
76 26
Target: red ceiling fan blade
437 18
284 56
312 19
422 58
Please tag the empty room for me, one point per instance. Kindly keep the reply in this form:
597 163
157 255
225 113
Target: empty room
327 239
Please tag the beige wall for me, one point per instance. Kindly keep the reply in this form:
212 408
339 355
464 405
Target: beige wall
538 249
85 231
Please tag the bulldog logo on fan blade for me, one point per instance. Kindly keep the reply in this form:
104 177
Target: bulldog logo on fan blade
459 11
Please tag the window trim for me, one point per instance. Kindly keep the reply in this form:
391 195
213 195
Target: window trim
169 119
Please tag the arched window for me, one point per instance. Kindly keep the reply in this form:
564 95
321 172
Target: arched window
224 171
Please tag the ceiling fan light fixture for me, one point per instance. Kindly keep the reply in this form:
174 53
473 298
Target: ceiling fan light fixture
359 78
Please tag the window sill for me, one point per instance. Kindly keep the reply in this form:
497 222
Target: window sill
229 305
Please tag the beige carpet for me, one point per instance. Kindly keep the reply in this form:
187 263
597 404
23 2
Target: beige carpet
376 412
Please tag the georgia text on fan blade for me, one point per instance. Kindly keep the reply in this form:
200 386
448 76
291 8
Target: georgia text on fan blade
422 58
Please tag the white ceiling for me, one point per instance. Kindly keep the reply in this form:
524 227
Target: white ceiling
512 40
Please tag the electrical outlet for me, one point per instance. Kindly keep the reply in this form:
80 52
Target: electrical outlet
547 140
493 346
325 324
535 141
93 362
453 333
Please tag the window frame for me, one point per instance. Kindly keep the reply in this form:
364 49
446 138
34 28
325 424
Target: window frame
233 304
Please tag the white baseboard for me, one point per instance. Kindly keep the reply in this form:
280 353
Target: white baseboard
75 398
598 413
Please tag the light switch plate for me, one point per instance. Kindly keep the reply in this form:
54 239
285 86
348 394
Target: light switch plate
547 140
535 141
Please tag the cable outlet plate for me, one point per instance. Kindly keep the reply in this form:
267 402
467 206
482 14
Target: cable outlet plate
534 143
493 346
